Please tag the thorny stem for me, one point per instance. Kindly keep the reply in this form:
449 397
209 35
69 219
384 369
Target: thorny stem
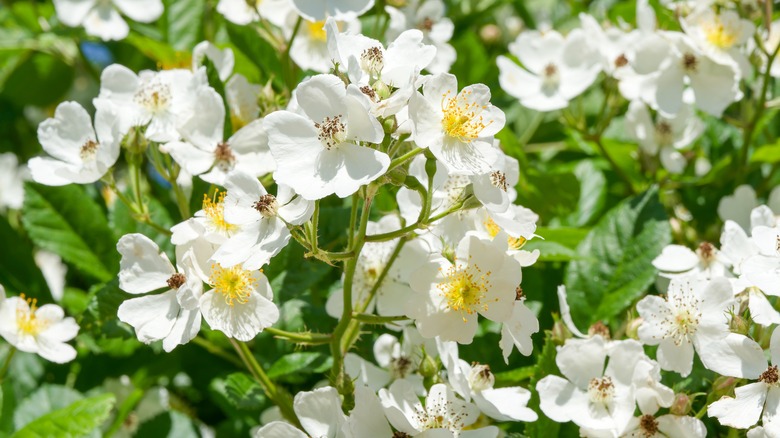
275 393
217 351
377 319
300 338
404 158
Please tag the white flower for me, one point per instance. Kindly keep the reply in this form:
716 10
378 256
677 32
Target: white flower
319 10
79 153
693 316
745 409
12 178
442 410
721 36
205 153
666 136
429 16
319 412
310 48
557 69
457 127
319 153
243 12
261 219
591 395
161 101
679 261
649 426
679 64
737 207
172 316
517 330
101 18
475 383
495 189
223 60
242 99
481 279
42 330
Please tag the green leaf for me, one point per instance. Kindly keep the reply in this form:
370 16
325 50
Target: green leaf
168 424
243 392
22 86
515 376
620 249
66 221
18 271
183 21
101 331
45 399
769 154
76 420
298 362
258 50
593 192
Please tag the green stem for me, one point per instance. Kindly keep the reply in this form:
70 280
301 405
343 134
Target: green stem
409 228
337 350
352 221
124 410
760 108
315 228
289 67
366 318
276 394
7 362
217 351
618 170
382 275
404 158
530 130
300 338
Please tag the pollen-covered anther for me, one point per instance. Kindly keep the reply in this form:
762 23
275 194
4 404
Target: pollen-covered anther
26 320
176 280
621 61
465 288
372 60
498 179
663 132
649 425
223 154
519 294
681 318
88 150
706 252
690 62
426 25
370 92
332 131
481 377
599 329
601 390
154 96
400 366
777 245
462 118
267 205
234 283
214 208
770 376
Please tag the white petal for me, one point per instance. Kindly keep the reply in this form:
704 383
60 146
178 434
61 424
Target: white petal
73 12
143 267
240 321
279 429
152 316
744 410
144 11
320 411
105 22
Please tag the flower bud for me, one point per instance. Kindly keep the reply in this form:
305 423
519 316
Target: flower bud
135 143
739 325
428 367
599 328
682 404
389 125
560 333
490 34
396 176
632 330
381 89
723 385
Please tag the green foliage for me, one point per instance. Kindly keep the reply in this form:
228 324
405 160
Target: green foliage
619 250
45 399
18 271
77 420
66 221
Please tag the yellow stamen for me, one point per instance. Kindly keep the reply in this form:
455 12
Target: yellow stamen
465 287
215 211
235 283
462 118
26 319
317 30
719 35
491 227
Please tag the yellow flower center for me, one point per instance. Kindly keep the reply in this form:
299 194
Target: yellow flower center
492 229
235 283
719 35
26 319
214 209
465 287
317 30
462 118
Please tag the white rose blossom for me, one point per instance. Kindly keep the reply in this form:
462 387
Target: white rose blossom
101 18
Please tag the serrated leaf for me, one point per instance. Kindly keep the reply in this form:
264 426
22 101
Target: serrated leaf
183 21
620 250
18 271
101 331
77 420
593 192
243 392
45 399
67 222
